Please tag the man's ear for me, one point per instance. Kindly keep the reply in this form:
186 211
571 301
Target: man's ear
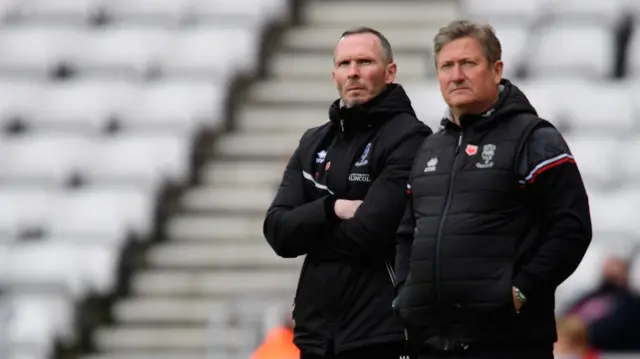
498 66
390 72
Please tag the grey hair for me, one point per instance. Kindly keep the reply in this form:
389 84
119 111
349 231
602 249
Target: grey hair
458 29
387 52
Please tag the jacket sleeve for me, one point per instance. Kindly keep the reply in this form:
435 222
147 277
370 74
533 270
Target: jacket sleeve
371 232
293 222
556 189
404 238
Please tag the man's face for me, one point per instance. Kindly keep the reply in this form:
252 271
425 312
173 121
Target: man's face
467 81
360 72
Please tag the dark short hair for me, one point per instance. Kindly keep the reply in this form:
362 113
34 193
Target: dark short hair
387 52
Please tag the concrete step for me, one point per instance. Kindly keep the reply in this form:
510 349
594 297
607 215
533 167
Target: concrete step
228 200
322 93
215 283
256 255
244 174
281 92
169 338
407 39
411 67
217 228
378 13
246 146
290 120
192 311
146 354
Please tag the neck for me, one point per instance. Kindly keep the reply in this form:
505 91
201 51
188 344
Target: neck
457 112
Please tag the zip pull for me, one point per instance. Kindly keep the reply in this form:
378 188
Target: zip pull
459 142
342 125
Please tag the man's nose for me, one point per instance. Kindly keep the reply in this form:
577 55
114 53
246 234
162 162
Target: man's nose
456 74
354 70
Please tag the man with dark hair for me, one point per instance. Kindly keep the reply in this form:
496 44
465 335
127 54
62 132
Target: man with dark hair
340 202
497 218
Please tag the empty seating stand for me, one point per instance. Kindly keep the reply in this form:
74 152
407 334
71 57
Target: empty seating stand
101 103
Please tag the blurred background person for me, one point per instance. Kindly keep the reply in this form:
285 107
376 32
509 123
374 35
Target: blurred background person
573 340
611 312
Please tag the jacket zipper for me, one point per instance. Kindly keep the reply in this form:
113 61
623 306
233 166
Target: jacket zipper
447 204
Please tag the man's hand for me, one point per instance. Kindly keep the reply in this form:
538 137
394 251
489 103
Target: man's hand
346 209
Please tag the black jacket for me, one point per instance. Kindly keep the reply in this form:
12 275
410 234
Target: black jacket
495 203
346 284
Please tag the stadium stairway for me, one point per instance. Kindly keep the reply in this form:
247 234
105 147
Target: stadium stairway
204 291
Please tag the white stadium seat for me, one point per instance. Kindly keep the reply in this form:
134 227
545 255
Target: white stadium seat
513 39
595 156
141 11
26 207
44 266
586 48
612 109
123 49
176 105
520 12
81 106
586 10
41 158
116 212
142 160
17 98
240 11
210 51
77 11
428 103
36 49
101 102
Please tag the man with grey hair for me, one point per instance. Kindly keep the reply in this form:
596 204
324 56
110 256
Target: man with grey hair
497 217
340 202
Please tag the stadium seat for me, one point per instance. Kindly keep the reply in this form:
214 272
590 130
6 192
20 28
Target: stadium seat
539 94
595 156
139 159
25 208
513 39
116 212
122 50
612 108
254 12
428 103
586 48
38 316
36 49
45 268
99 260
176 105
17 99
80 106
69 11
586 10
41 158
147 11
521 12
628 160
613 212
203 50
